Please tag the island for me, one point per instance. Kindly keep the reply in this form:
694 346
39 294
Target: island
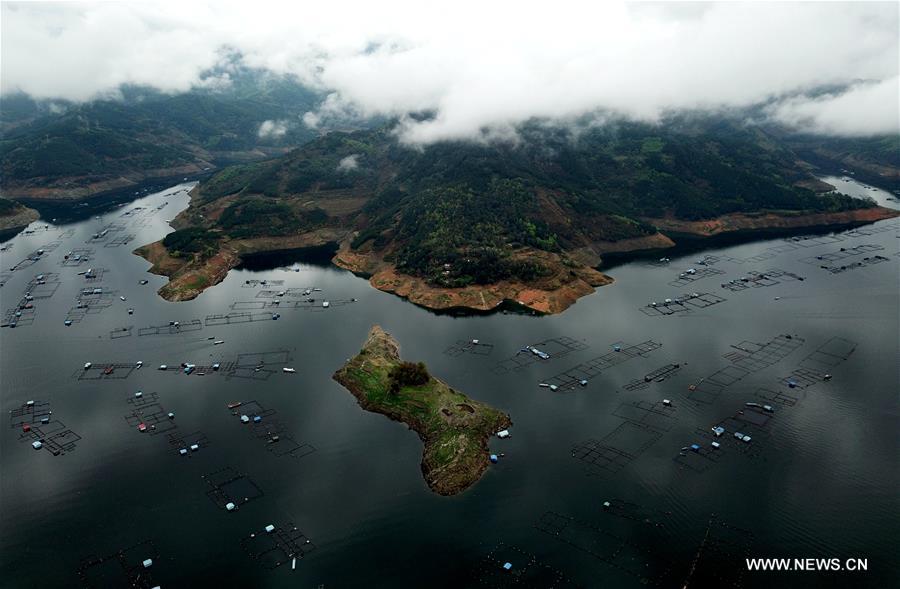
454 428
463 226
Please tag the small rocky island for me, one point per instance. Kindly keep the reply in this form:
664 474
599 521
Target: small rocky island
454 428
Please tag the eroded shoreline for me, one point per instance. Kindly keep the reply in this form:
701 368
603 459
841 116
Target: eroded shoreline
567 282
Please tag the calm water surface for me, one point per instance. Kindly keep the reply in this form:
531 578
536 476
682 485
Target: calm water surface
818 479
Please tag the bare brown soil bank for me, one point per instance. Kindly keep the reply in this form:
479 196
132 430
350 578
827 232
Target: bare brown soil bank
762 221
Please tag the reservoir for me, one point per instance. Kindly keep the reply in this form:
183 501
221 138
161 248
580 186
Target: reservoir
597 484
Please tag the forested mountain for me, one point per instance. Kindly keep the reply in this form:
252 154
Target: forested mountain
59 145
453 212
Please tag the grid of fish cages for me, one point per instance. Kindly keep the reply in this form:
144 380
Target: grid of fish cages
830 354
635 513
661 374
722 546
596 456
18 317
510 566
143 400
52 436
77 257
43 286
617 449
121 332
34 256
262 364
709 260
186 445
757 279
275 547
802 378
309 304
228 487
250 306
778 398
702 300
666 308
844 252
766 254
135 212
95 275
172 328
700 459
473 347
705 391
865 262
250 410
645 413
754 356
293 292
749 422
120 240
582 374
128 567
150 418
644 566
543 351
106 371
239 317
814 240
30 413
66 234
104 234
747 358
264 426
694 274
93 302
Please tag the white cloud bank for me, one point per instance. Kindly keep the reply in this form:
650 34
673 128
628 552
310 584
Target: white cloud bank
270 129
349 163
482 67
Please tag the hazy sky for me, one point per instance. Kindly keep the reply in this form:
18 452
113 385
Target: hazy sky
481 66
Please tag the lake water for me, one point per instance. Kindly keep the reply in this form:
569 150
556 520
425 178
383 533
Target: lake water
818 479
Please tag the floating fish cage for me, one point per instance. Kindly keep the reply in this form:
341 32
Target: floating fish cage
474 347
172 328
229 486
279 546
572 378
123 568
543 351
106 371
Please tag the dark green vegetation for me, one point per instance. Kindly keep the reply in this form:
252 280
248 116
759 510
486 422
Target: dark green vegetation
454 428
256 217
408 374
8 207
146 130
457 213
193 240
871 159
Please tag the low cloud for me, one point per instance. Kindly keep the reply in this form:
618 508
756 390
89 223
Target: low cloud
864 109
349 163
272 129
481 77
